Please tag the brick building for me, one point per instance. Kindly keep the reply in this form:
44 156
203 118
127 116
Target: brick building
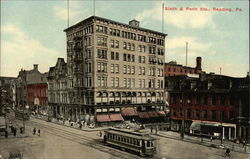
210 104
32 89
112 66
173 69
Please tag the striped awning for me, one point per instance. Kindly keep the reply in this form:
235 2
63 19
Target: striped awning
129 112
116 117
102 118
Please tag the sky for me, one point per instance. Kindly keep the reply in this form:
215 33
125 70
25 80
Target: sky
32 31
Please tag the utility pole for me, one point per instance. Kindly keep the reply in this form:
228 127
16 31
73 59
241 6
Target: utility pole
68 11
182 109
186 51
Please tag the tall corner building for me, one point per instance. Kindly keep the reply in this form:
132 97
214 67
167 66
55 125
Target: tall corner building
112 66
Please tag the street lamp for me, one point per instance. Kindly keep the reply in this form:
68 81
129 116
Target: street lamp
24 107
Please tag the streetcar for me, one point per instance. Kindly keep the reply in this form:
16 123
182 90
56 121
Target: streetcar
22 115
137 142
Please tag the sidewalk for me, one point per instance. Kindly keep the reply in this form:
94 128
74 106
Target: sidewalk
75 126
206 142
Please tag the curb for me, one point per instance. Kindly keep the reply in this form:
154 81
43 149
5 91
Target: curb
200 143
86 130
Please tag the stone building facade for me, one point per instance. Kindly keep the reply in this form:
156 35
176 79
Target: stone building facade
111 66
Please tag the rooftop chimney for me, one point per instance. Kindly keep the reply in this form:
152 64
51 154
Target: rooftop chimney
36 67
134 23
198 63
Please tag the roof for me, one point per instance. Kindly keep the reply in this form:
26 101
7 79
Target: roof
114 22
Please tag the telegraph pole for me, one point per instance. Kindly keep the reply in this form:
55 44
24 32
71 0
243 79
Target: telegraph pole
186 51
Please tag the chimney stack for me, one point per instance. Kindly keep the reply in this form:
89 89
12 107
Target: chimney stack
36 67
198 63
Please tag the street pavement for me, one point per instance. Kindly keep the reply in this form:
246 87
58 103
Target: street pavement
59 142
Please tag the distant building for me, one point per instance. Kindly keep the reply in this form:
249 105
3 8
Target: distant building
57 90
174 69
112 66
7 92
32 88
210 104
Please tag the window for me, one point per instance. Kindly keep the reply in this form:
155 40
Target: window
112 82
129 69
117 55
133 47
116 82
124 57
101 53
125 69
125 82
112 68
132 83
116 44
112 43
124 45
143 59
133 58
116 68
143 71
129 57
129 46
102 67
101 41
112 55
89 67
204 115
213 100
140 48
133 70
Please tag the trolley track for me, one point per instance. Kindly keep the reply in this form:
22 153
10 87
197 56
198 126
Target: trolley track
83 140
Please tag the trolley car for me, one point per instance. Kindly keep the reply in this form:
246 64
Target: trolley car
140 143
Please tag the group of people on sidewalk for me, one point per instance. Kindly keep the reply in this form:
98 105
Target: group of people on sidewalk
13 130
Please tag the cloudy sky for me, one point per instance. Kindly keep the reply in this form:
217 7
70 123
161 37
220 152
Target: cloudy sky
32 31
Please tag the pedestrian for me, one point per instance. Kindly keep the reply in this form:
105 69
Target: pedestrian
34 131
21 130
14 131
6 133
38 132
211 138
100 133
151 129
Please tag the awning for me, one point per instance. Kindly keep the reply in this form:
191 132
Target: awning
129 112
161 113
116 117
102 118
143 115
